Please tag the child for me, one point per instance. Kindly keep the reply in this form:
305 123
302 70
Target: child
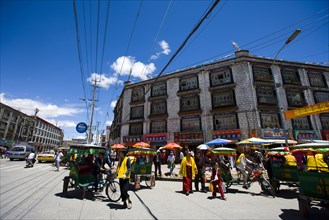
217 180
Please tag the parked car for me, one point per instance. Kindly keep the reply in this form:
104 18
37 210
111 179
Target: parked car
46 156
20 152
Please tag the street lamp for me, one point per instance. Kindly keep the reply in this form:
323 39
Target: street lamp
291 38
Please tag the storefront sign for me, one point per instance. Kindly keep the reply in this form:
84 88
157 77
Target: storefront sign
306 135
131 139
274 133
188 137
227 134
308 110
156 137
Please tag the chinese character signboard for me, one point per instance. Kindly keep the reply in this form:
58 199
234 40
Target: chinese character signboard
307 110
275 133
227 134
306 135
155 137
131 139
188 137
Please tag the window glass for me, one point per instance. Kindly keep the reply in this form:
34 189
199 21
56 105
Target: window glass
137 94
290 76
137 112
301 123
295 98
316 79
158 90
191 124
189 83
225 121
158 108
220 99
324 118
266 96
158 126
136 129
321 96
189 103
262 73
220 77
270 120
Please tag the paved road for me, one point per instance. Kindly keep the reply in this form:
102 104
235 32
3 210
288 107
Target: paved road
36 193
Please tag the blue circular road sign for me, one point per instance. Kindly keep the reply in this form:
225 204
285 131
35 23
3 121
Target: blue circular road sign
81 127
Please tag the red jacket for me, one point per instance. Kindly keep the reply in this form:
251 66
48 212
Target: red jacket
219 174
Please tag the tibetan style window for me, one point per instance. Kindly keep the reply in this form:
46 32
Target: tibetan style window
137 112
189 83
158 108
262 73
324 118
316 79
295 98
220 77
266 96
160 89
136 129
189 103
221 99
137 94
290 76
301 123
225 121
158 126
321 96
270 120
191 123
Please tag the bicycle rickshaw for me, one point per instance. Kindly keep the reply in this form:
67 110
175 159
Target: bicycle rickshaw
80 176
314 187
142 167
280 173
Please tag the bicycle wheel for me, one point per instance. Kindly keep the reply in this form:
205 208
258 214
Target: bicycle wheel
113 191
267 187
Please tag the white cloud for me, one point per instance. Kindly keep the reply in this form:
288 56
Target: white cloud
165 50
104 81
123 65
108 123
113 104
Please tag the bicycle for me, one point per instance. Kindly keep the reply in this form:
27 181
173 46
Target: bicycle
112 187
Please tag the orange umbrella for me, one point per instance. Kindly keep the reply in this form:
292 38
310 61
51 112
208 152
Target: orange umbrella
141 145
118 146
172 146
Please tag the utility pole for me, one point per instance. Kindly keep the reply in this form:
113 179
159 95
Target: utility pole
90 135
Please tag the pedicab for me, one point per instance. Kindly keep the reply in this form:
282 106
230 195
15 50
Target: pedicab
278 172
141 168
314 186
81 177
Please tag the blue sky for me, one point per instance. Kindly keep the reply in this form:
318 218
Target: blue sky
40 65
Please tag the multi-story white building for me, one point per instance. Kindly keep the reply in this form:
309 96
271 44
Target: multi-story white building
234 99
16 126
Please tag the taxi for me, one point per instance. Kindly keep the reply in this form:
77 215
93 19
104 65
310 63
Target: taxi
46 156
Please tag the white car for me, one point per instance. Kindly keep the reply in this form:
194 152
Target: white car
46 156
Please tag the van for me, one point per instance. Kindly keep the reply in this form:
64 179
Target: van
20 152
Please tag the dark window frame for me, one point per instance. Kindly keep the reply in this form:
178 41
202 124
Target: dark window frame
223 80
259 73
191 118
186 79
132 116
221 93
187 99
158 131
140 124
160 93
225 116
290 76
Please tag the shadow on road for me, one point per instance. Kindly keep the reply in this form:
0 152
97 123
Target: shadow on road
77 194
316 213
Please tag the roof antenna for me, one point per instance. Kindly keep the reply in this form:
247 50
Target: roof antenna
236 46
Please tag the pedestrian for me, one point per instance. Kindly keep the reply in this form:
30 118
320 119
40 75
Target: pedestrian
98 169
107 159
113 157
157 164
242 165
163 156
217 181
200 176
58 159
124 170
181 156
188 170
171 163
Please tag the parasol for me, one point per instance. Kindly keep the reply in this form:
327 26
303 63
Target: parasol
218 141
203 147
172 146
118 146
142 152
255 141
141 145
224 151
305 151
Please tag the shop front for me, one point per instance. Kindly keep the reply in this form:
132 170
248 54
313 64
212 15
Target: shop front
302 136
156 140
190 140
234 135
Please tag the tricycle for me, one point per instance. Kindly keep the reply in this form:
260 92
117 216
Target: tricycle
81 177
141 168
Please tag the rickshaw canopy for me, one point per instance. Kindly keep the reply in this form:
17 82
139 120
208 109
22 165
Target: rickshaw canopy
224 151
142 152
86 149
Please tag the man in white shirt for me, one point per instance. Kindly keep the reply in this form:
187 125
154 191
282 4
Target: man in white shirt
58 159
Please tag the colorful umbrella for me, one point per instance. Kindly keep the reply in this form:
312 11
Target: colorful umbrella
224 151
172 146
305 151
118 146
277 153
141 145
142 152
203 147
218 141
255 141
